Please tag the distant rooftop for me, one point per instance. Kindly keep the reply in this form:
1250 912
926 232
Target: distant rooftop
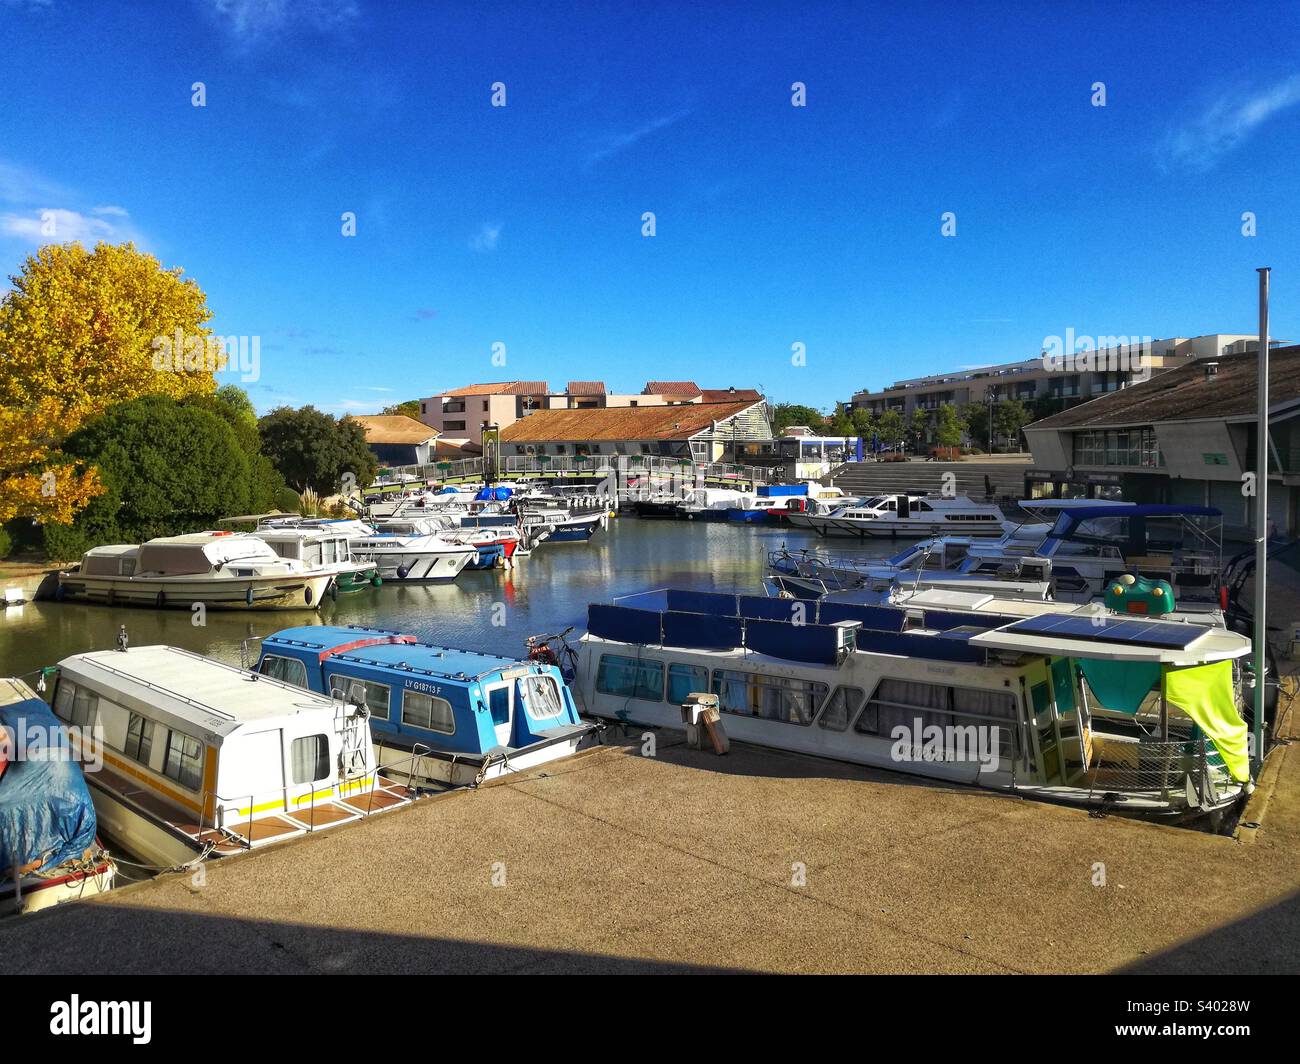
503 388
682 388
621 423
394 428
585 388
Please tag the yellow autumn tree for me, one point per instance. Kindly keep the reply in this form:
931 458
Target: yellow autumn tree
80 332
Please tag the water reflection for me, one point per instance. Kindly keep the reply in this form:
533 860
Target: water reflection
543 593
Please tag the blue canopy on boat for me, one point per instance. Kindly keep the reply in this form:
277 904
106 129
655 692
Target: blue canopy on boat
45 808
494 494
1068 520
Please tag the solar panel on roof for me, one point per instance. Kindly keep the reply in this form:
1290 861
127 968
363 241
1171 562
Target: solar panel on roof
1163 634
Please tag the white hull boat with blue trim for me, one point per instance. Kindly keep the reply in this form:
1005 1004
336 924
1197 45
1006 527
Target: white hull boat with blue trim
412 549
907 516
445 716
1018 704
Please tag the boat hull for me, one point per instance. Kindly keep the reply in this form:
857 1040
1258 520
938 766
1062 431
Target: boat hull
414 566
43 893
445 769
861 529
221 593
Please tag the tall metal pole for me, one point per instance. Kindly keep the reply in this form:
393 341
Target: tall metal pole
1261 525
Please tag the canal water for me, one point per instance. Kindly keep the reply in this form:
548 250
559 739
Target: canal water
493 611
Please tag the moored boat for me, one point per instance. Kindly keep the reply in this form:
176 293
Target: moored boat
1047 706
221 570
412 549
321 545
447 716
203 759
911 516
49 850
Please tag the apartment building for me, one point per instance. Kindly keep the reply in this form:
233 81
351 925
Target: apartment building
1065 378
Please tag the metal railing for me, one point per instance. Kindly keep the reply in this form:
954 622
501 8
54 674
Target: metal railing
1155 767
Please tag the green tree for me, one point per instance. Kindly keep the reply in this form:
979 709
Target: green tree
234 397
411 408
1009 417
167 467
976 416
920 426
864 423
891 427
786 414
949 427
311 449
841 425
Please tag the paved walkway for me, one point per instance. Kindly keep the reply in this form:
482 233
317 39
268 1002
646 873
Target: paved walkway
617 862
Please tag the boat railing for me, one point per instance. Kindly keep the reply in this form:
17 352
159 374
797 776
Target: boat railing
1126 767
281 803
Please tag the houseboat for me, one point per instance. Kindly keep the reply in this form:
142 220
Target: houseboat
456 717
1045 706
203 759
911 516
49 849
222 570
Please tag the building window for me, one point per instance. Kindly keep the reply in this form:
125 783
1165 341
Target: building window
425 711
184 761
287 670
485 406
309 759
1136 448
139 739
374 696
453 426
630 678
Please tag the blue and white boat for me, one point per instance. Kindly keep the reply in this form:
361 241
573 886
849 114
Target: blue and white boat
1139 716
467 717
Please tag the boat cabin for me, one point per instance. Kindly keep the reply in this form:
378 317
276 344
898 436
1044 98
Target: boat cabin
1143 715
201 758
466 716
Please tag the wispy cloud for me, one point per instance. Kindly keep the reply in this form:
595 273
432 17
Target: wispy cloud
425 314
486 238
614 143
254 21
1226 121
55 225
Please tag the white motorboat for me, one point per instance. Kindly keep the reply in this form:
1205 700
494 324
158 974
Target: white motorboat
321 545
412 549
911 516
221 570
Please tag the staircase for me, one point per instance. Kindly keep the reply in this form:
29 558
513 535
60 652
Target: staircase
1007 477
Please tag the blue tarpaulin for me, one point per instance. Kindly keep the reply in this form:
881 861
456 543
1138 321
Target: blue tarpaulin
494 494
45 808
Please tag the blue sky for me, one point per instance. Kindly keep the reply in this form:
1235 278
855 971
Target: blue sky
776 225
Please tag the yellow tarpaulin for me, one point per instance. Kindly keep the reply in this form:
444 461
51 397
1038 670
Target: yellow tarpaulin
1204 693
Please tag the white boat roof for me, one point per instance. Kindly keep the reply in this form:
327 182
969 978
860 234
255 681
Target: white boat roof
987 602
1046 505
1121 639
198 552
204 698
112 550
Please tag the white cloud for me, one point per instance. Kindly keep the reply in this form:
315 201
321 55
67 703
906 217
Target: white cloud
116 212
251 21
1227 121
615 143
486 238
54 225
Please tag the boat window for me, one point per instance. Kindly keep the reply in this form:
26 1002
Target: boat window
784 698
84 709
630 677
128 567
63 698
350 689
684 680
921 507
542 696
427 711
184 761
139 739
288 670
499 705
901 703
843 703
310 759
